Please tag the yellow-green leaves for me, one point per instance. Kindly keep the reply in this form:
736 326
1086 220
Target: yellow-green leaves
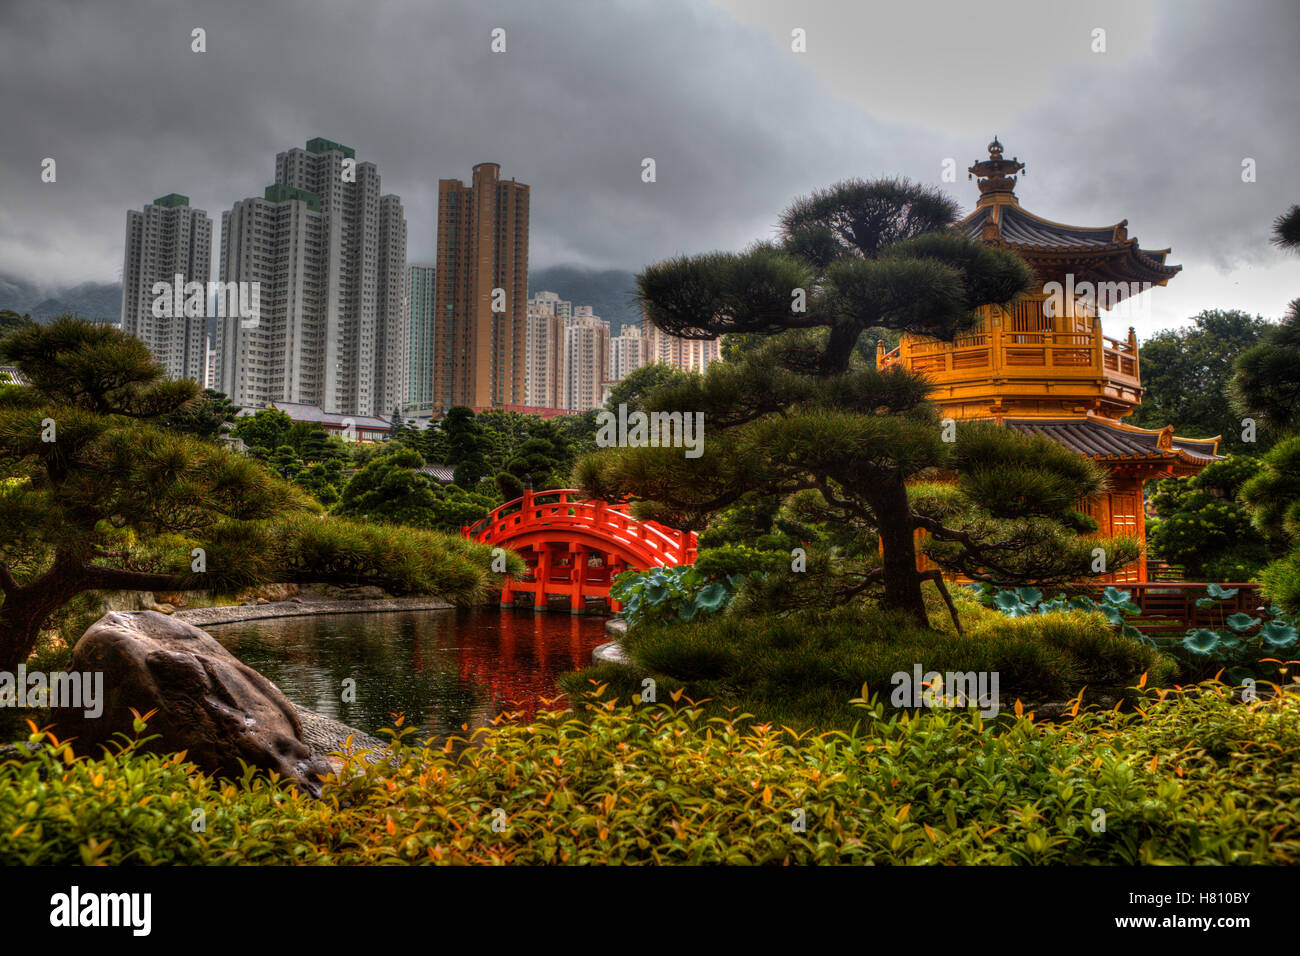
670 783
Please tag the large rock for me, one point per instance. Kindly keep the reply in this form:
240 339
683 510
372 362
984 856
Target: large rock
208 704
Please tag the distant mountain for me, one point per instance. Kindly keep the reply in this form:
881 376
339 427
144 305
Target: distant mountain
93 300
609 292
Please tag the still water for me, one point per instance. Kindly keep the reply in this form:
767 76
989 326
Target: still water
441 669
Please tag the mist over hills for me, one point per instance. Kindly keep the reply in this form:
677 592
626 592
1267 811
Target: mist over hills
94 300
608 291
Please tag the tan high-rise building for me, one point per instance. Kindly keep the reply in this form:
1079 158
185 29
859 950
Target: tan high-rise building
482 283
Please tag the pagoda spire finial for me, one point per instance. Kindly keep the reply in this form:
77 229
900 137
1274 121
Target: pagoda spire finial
997 176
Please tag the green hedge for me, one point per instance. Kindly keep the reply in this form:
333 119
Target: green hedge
1189 778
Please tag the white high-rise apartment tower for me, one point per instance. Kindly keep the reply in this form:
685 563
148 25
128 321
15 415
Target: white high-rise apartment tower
628 351
165 240
544 351
329 253
586 359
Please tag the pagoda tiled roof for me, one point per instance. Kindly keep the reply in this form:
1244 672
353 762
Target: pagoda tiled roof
1113 441
1027 233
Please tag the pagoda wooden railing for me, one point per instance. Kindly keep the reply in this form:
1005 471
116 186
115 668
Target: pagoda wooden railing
1021 343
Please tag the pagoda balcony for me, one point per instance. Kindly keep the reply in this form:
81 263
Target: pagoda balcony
1017 357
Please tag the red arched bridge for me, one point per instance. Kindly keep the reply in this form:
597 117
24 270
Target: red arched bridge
575 547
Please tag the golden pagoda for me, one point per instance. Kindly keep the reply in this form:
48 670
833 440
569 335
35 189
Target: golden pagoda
1043 366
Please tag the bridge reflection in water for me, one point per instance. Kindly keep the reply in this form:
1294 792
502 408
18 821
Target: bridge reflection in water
441 669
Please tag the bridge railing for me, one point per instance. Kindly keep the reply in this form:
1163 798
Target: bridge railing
564 509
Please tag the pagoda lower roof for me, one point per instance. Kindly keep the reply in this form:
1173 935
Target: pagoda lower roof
1103 253
1108 440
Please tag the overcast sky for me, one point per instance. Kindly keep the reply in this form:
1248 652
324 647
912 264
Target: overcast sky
1153 130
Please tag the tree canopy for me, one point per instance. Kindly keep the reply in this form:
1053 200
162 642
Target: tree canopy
1267 386
1187 379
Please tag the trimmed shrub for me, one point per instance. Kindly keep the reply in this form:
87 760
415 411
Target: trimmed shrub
803 668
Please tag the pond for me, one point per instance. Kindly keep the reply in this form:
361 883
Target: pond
444 670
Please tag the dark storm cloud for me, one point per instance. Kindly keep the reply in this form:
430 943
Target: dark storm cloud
737 124
1161 139
582 94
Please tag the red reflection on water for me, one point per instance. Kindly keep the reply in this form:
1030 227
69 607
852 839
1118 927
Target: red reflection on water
517 666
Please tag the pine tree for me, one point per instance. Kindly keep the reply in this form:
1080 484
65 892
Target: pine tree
803 411
466 446
97 495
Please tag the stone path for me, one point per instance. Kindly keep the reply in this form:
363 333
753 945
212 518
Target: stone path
231 614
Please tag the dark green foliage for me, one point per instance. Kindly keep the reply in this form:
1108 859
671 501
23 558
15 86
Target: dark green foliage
1281 580
1286 229
467 446
94 367
580 431
1273 497
731 560
632 389
11 320
502 432
1267 381
543 458
1273 493
1187 376
508 447
400 560
266 429
399 428
1267 386
301 452
783 551
205 418
390 490
1201 526
857 218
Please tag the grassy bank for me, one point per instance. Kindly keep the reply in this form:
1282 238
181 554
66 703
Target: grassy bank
803 668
